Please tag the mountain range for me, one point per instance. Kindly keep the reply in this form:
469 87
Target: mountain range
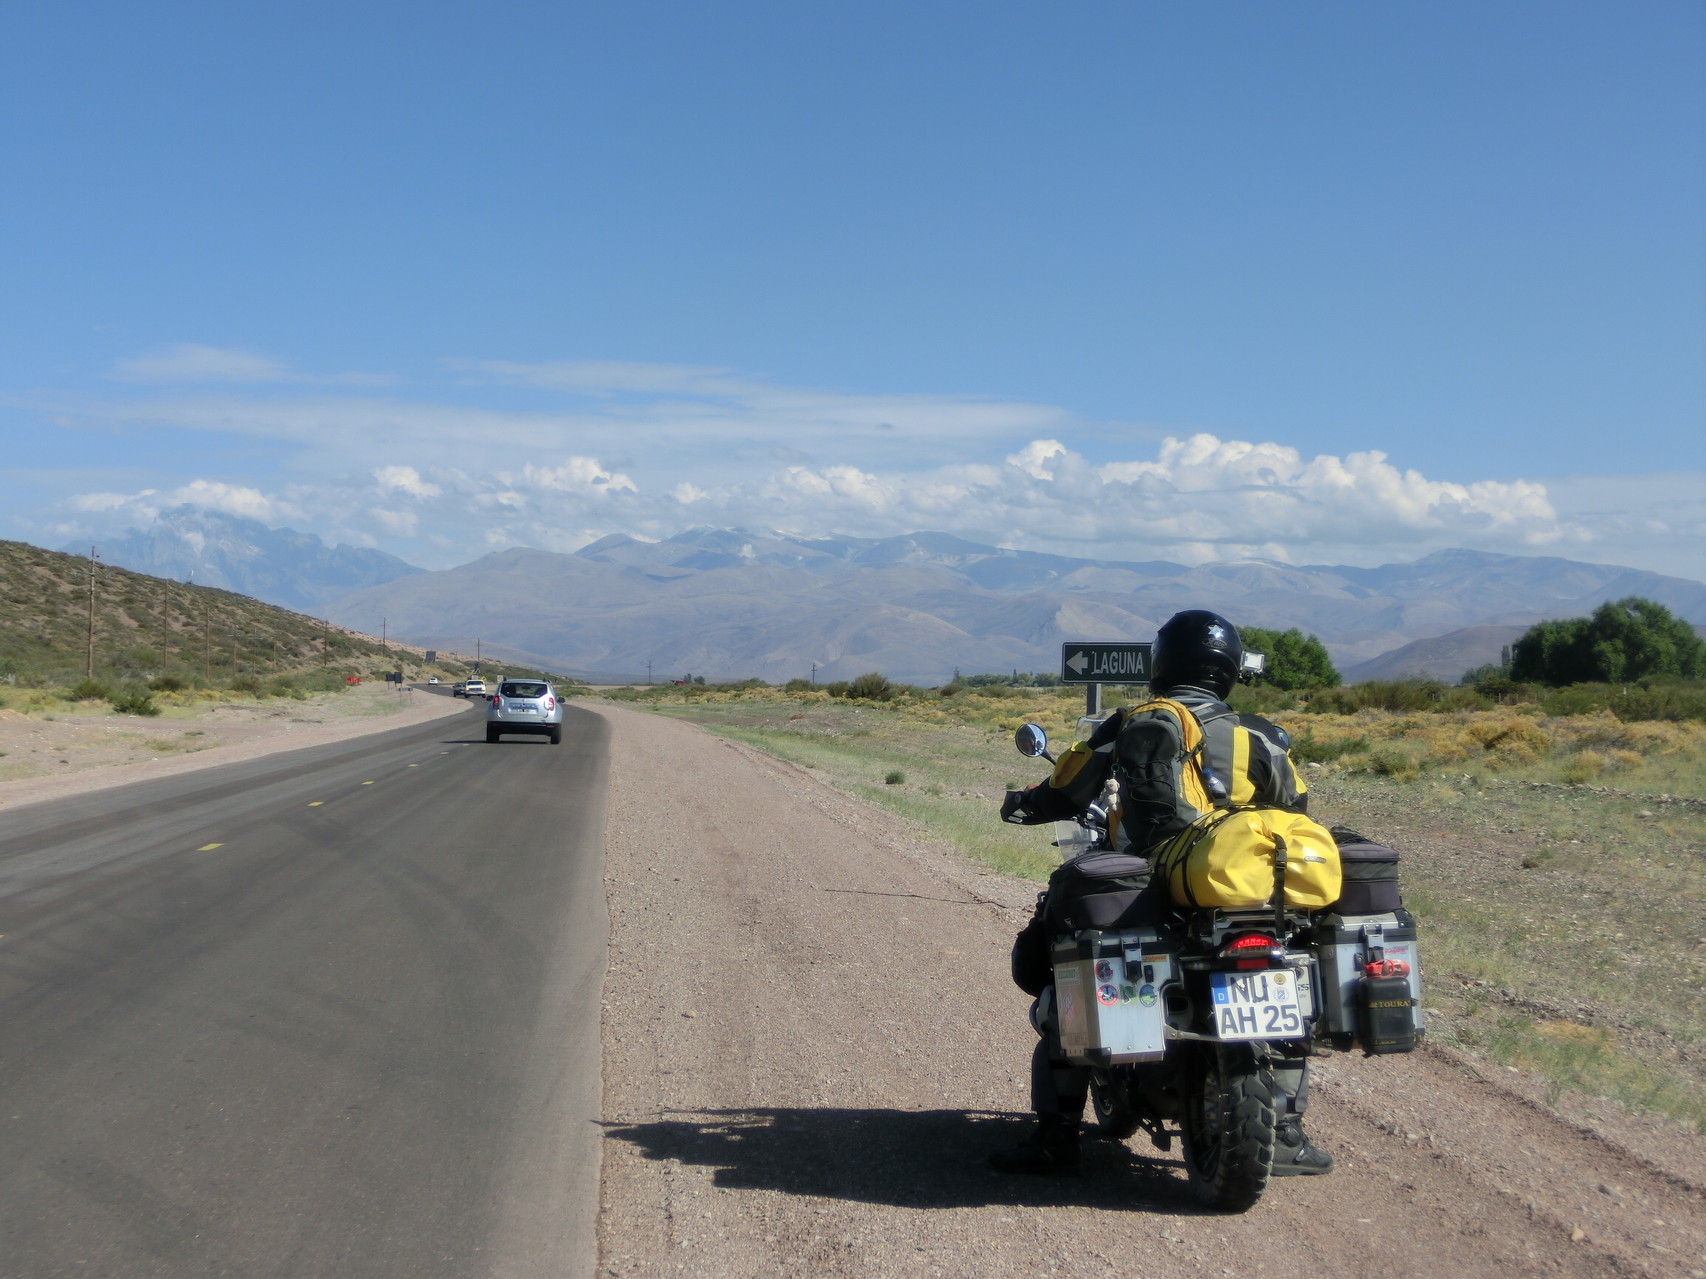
729 603
280 566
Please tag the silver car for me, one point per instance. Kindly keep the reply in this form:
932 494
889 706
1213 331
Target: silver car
524 706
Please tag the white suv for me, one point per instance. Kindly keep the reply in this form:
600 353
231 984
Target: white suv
524 705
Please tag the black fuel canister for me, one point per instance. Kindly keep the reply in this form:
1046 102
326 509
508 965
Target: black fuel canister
1388 1025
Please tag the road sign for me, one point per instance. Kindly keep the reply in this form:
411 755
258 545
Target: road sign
1083 663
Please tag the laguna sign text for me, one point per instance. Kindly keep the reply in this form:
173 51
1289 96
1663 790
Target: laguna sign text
1087 663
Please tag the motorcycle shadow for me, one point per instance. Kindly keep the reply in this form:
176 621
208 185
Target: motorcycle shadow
906 1158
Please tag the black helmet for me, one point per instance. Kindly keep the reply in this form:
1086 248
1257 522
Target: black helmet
1198 648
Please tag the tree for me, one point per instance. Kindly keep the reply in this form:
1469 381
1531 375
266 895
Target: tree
1631 639
1295 660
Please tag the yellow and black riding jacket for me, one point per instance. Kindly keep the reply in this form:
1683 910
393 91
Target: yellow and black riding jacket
1175 757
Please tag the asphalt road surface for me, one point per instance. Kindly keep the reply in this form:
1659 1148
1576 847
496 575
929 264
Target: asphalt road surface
329 1013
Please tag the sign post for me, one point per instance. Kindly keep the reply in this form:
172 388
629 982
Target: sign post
1093 664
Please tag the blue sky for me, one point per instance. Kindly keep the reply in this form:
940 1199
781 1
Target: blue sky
1121 278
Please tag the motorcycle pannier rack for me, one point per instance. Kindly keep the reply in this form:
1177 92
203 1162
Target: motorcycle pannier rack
1371 981
1108 993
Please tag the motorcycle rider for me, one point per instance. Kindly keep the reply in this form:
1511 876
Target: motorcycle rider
1197 658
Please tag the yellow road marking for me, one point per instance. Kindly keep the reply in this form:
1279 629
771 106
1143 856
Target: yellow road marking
414 765
208 848
367 783
315 803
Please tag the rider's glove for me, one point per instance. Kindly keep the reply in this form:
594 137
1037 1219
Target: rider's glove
1013 807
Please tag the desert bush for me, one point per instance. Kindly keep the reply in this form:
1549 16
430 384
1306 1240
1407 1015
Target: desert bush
872 686
89 690
837 688
135 701
1677 700
167 684
798 686
1583 766
894 777
1307 748
1261 699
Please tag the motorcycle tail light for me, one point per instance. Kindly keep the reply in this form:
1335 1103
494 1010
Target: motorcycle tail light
1251 951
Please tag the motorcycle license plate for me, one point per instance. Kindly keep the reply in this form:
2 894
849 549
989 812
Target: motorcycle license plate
1256 1005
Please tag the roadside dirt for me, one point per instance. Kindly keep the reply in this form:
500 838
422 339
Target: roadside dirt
811 1045
73 753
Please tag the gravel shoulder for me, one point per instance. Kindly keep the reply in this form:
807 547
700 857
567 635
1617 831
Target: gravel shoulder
811 1044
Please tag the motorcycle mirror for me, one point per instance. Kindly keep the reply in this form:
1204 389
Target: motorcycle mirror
1031 741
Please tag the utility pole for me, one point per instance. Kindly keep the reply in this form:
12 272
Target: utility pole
814 674
476 656
648 672
89 665
325 641
385 633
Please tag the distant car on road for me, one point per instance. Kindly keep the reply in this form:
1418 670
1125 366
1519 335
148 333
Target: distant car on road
432 679
475 687
525 706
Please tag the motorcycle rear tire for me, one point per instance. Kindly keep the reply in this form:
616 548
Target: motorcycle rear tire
1115 1118
1229 1122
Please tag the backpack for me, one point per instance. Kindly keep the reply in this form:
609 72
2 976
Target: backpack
1165 784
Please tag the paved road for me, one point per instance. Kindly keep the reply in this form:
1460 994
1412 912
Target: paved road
329 1013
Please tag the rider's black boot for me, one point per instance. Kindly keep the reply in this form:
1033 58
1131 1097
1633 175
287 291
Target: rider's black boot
1295 1155
1050 1151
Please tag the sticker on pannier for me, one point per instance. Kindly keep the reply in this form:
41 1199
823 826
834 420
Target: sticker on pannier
1225 859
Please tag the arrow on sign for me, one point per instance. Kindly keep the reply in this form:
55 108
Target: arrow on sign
1077 662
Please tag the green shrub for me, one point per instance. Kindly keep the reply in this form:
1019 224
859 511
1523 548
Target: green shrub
1261 699
798 686
167 684
1682 700
894 777
135 701
1396 695
89 690
872 686
1306 748
837 689
249 684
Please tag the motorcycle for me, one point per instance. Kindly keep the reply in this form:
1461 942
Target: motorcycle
1183 1020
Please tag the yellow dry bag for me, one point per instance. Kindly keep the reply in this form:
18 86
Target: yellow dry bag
1226 859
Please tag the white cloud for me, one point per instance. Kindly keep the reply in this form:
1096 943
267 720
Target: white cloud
659 445
189 362
405 479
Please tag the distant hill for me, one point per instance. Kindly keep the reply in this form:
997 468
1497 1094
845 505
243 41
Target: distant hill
281 566
149 626
1442 657
728 603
